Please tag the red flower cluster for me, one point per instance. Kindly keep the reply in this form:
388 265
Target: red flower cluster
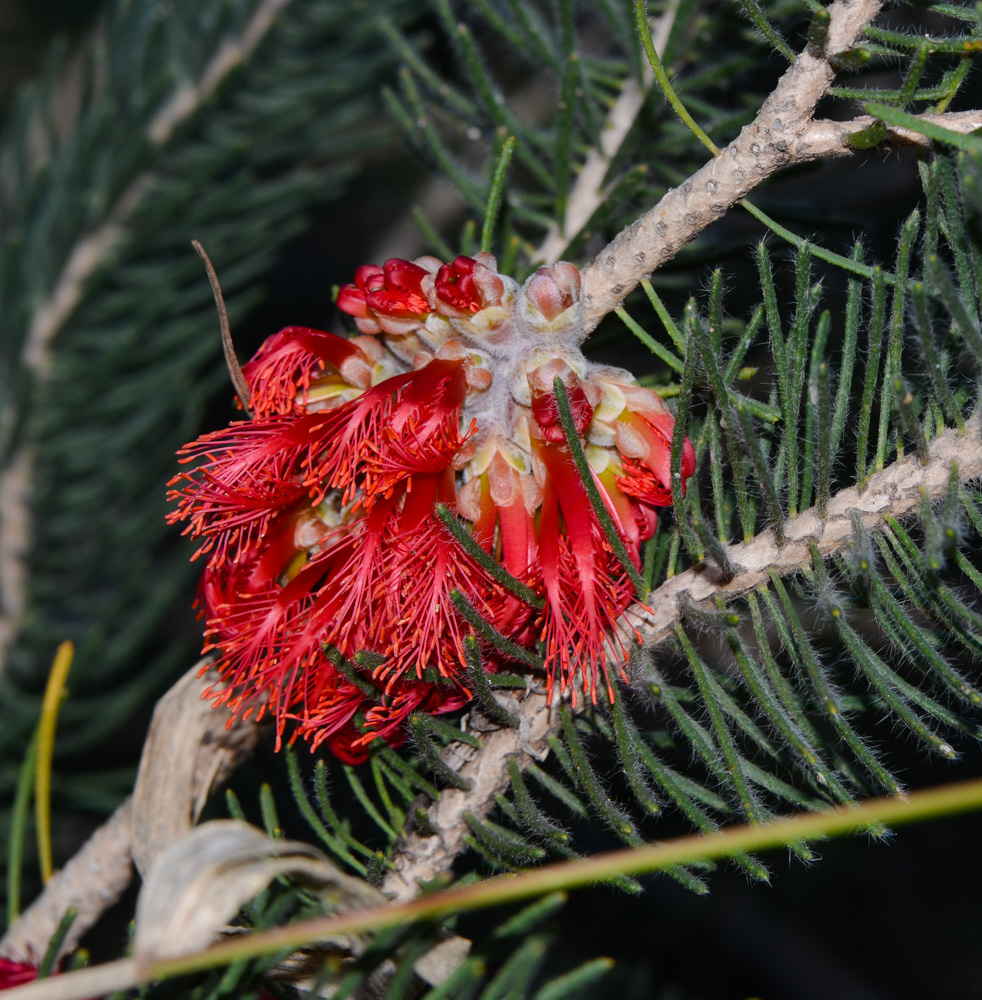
327 589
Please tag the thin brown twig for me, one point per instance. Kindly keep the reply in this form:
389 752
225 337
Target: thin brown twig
231 360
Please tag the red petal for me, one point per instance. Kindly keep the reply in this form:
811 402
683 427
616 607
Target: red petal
423 566
282 368
405 278
394 291
247 473
650 479
386 721
351 299
586 587
455 286
15 973
330 719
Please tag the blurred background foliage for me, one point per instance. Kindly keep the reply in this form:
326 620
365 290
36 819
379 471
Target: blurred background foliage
302 165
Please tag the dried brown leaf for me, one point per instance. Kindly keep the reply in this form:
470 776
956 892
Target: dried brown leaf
203 879
190 748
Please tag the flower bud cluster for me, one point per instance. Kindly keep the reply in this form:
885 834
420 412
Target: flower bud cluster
331 580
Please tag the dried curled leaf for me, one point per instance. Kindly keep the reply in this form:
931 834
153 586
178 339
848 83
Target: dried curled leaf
189 749
203 879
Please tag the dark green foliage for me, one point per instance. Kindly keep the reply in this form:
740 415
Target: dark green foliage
545 43
157 152
502 847
593 494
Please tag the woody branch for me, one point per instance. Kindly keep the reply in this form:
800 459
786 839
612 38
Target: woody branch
785 132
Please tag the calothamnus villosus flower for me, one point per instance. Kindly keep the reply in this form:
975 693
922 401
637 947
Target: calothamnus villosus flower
335 593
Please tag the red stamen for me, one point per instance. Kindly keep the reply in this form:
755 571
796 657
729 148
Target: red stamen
283 367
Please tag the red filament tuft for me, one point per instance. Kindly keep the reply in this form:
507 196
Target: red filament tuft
330 588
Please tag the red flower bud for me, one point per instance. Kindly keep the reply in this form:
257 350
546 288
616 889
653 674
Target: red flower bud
545 407
554 289
467 286
389 298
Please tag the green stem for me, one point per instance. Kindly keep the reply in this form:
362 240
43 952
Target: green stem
18 828
497 193
661 77
596 501
946 800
